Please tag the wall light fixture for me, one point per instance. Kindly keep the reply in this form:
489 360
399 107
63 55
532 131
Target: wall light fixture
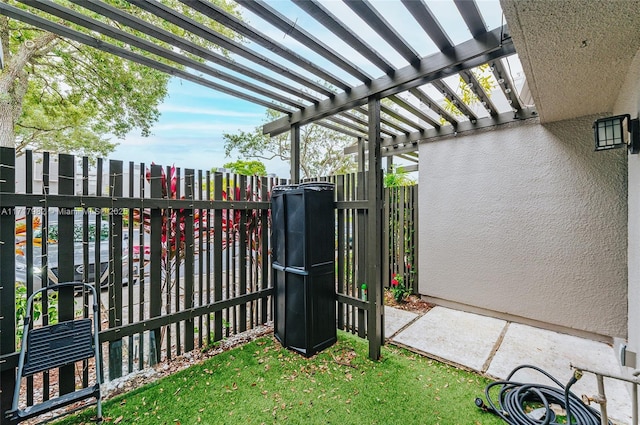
616 132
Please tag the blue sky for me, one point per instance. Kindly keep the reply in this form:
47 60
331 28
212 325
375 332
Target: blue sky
189 131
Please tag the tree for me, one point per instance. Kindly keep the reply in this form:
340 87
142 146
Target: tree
321 149
62 96
247 168
397 177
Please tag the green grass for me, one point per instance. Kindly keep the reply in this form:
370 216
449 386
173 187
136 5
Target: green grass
262 383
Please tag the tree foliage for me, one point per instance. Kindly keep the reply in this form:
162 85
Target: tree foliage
484 76
247 168
62 96
321 149
398 177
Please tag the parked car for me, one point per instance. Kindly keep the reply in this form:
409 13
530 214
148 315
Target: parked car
100 241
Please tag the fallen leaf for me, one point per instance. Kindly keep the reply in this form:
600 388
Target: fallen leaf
118 419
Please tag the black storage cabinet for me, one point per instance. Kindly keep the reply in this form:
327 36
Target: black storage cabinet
303 250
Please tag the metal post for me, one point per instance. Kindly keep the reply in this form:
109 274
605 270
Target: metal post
374 232
295 153
602 400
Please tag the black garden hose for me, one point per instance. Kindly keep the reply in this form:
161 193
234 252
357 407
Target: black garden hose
514 396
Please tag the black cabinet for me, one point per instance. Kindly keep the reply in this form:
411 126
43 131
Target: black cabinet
303 249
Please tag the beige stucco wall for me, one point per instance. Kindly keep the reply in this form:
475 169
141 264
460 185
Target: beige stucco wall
527 221
628 102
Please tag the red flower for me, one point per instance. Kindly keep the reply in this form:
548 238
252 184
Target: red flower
394 281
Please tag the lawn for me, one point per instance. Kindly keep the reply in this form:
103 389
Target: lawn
262 383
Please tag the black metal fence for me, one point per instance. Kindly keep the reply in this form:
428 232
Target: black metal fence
181 258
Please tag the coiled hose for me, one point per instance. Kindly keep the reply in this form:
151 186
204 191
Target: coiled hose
515 397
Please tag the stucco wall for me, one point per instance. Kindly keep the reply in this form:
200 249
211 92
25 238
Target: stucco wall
528 221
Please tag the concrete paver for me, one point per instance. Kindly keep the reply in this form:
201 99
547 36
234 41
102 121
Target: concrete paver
396 319
463 338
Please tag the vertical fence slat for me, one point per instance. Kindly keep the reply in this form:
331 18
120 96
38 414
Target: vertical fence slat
189 331
266 185
85 259
115 267
242 260
342 249
142 280
361 233
415 247
208 242
130 264
66 172
201 256
217 255
155 265
388 245
230 276
29 251
7 274
179 215
97 256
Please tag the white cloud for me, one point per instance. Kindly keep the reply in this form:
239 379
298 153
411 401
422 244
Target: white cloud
202 126
168 107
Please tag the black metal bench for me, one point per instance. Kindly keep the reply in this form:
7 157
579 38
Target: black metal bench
53 346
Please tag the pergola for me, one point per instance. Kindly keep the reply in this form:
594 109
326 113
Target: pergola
335 78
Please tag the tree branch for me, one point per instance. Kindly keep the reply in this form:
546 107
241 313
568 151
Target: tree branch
44 130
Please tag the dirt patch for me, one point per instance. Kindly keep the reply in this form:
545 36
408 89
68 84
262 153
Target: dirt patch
412 303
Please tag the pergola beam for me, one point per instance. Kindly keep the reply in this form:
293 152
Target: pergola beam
403 144
471 53
464 126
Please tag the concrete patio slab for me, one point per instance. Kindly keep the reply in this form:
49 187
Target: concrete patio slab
463 338
554 352
396 319
496 347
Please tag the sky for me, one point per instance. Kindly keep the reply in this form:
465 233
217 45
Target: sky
189 131
193 118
